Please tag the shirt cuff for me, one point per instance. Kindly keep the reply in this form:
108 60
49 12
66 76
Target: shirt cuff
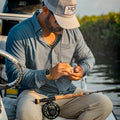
41 79
85 69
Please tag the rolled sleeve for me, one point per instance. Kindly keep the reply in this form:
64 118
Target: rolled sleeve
31 78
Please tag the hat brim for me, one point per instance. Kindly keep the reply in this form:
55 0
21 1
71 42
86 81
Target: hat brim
67 22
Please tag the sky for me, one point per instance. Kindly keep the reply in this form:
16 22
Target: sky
97 7
92 7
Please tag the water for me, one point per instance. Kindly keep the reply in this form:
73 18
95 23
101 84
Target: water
102 77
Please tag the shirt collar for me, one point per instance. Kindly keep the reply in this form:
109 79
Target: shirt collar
35 22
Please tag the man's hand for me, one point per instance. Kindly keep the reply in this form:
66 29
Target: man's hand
77 74
61 69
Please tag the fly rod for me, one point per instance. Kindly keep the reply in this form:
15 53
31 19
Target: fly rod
51 109
67 96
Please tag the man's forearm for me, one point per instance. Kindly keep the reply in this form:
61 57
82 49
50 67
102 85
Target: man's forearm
31 78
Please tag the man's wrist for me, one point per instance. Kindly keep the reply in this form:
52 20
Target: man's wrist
48 74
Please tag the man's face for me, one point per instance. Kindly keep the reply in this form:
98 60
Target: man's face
52 25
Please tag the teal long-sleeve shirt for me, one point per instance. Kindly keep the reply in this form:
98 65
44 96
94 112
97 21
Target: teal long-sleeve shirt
25 43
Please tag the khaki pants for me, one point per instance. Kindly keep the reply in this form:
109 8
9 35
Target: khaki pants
90 107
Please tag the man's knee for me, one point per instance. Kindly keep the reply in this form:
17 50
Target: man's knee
27 109
100 107
106 104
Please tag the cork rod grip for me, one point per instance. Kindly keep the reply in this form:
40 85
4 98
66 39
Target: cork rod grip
59 97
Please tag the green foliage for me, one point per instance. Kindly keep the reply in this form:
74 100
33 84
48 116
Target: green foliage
102 34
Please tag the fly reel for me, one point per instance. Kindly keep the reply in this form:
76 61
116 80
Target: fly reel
50 110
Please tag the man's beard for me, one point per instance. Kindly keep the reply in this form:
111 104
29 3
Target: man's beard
52 29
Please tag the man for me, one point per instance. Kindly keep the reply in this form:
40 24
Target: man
45 45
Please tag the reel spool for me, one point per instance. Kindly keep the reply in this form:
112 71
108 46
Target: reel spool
50 110
12 59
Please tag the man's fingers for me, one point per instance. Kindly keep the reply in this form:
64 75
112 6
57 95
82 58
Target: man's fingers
76 74
68 70
65 67
61 69
74 78
65 73
78 69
